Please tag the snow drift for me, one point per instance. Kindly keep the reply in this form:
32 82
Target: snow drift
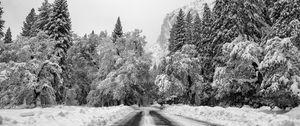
230 116
63 116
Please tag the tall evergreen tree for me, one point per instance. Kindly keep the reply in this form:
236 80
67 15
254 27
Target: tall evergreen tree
206 22
224 29
118 32
267 9
206 31
197 30
7 38
59 25
236 17
27 29
282 14
178 33
250 18
189 26
59 28
204 45
43 17
1 21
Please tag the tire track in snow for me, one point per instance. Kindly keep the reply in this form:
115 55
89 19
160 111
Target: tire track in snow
133 121
159 120
154 118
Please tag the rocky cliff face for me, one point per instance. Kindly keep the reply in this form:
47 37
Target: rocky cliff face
162 41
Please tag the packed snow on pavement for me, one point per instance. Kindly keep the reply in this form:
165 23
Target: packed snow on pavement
63 116
236 116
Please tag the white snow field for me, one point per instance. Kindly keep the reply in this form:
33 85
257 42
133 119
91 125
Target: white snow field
64 116
294 114
236 116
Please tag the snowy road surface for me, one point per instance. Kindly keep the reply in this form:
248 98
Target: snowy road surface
153 117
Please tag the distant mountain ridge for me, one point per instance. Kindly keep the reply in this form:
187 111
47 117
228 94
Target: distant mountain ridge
162 41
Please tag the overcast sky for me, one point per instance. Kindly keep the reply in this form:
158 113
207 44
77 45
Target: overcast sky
98 15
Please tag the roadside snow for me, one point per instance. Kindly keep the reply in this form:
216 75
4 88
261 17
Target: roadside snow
230 116
64 116
183 121
294 114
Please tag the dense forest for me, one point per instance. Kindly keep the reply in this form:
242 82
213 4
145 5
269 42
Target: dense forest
241 52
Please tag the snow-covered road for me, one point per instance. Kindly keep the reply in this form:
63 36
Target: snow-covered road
153 117
170 115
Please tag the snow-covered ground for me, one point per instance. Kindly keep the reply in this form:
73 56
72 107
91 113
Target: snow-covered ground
294 114
63 116
236 116
85 116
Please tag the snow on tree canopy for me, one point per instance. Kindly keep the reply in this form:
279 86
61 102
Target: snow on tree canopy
242 50
220 77
169 86
238 78
182 74
281 65
17 83
241 55
123 70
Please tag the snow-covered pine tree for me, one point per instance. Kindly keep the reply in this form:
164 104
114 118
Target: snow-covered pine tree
205 48
189 26
43 17
197 30
178 33
283 12
224 30
249 18
7 38
206 23
118 31
267 5
27 28
1 22
239 17
59 25
206 31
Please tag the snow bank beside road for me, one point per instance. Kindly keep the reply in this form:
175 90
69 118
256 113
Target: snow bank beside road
64 116
294 114
229 116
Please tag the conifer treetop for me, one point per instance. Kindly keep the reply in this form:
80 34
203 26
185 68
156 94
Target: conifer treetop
29 23
118 31
8 36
